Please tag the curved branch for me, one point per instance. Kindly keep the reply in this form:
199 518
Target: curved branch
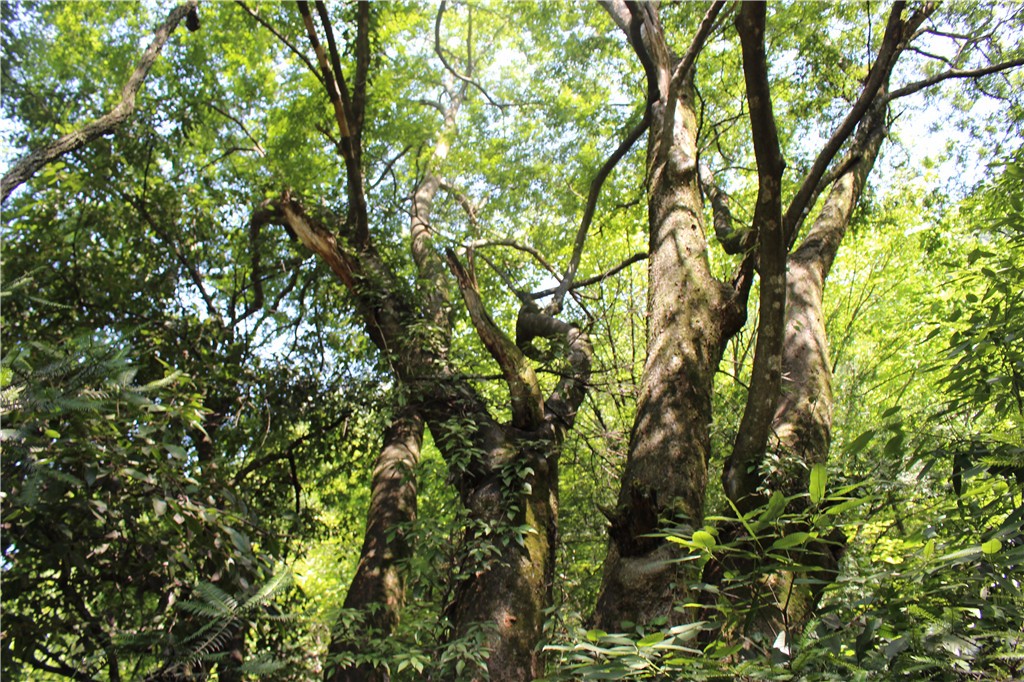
561 406
259 148
287 43
892 40
28 165
180 253
588 212
467 79
635 258
524 389
512 244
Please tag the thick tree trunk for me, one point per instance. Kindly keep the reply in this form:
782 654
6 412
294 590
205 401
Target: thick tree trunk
510 488
506 473
690 317
377 590
500 602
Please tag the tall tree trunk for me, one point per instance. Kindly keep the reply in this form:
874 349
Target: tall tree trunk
690 316
506 473
510 488
514 513
377 590
782 601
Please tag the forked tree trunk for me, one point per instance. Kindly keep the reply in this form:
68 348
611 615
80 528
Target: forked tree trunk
783 601
506 473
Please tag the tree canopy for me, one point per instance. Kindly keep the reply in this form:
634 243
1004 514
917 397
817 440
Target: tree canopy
512 341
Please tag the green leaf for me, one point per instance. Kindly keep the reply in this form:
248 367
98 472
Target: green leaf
654 637
860 442
991 546
776 505
704 539
595 635
791 540
817 486
159 506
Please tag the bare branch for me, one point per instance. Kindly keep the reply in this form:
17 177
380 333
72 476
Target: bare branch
28 165
887 53
512 244
433 104
389 165
684 69
591 207
329 80
697 44
193 271
463 201
733 241
259 148
349 146
911 88
332 47
619 13
362 63
467 79
561 406
635 258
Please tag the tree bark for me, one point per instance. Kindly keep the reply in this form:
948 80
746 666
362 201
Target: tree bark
377 589
739 477
691 315
506 474
783 601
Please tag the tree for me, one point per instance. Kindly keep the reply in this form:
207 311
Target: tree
693 315
416 157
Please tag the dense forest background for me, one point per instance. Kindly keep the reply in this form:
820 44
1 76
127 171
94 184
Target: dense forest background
493 341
